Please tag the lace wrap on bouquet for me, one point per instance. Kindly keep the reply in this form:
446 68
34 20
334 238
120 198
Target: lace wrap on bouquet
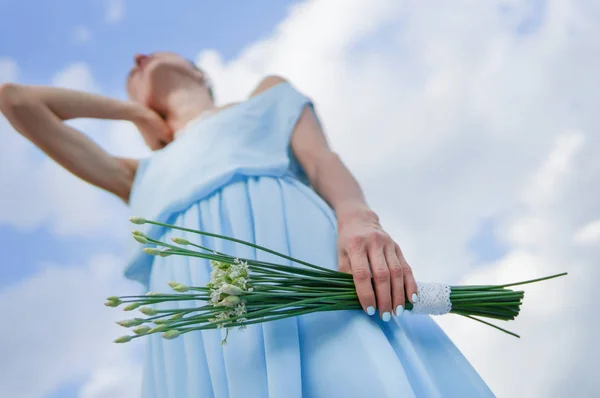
433 299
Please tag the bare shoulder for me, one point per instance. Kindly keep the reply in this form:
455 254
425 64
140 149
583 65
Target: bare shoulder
267 83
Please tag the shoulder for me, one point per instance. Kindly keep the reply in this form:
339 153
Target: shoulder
267 83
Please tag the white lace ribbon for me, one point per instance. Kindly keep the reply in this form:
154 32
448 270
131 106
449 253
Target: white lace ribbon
433 299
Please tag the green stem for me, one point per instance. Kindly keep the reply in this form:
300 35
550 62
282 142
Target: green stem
491 324
492 287
215 325
253 245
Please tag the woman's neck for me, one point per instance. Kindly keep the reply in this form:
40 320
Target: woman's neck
186 105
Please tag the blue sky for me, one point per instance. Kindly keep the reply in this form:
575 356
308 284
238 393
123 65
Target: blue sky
446 113
41 36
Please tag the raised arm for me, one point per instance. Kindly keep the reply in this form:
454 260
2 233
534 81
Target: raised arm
364 248
38 113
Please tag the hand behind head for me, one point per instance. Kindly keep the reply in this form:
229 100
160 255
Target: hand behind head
154 129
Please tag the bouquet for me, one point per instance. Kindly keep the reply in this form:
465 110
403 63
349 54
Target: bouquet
244 291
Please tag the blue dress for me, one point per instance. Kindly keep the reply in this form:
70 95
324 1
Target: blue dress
234 174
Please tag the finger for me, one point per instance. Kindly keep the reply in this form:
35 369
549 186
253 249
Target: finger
362 280
381 277
344 263
410 285
396 279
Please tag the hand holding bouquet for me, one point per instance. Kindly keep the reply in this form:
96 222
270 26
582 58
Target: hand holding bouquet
244 291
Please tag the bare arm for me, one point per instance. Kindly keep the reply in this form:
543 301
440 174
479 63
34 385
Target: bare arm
38 113
364 249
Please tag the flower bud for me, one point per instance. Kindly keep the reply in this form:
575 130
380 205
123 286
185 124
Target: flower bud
138 220
230 301
231 289
179 315
165 252
127 323
123 339
113 303
152 251
171 334
181 241
172 284
181 288
132 306
140 330
159 328
148 311
141 239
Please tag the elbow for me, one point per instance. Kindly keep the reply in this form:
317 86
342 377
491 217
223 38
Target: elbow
12 97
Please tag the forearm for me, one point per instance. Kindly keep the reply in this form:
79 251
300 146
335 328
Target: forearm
333 181
34 119
328 175
69 104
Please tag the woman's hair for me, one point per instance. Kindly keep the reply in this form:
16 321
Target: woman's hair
207 81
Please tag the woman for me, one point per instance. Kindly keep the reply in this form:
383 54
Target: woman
262 171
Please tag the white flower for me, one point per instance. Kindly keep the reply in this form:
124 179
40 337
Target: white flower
221 316
240 309
215 296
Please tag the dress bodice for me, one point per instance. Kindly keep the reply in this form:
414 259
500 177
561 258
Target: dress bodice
251 138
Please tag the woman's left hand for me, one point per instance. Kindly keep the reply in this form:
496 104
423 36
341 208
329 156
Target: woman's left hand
365 250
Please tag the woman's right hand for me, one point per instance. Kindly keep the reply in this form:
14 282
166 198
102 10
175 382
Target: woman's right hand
154 129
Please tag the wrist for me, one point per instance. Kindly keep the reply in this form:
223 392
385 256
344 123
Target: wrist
355 210
134 112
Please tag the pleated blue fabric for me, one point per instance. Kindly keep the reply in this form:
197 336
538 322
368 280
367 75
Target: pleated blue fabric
264 198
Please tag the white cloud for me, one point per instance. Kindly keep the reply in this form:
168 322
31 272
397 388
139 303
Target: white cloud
115 10
59 329
8 70
77 76
549 360
123 139
82 34
120 376
589 234
447 117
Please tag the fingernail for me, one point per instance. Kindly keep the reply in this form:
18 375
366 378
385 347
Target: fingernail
371 310
415 298
386 316
399 310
